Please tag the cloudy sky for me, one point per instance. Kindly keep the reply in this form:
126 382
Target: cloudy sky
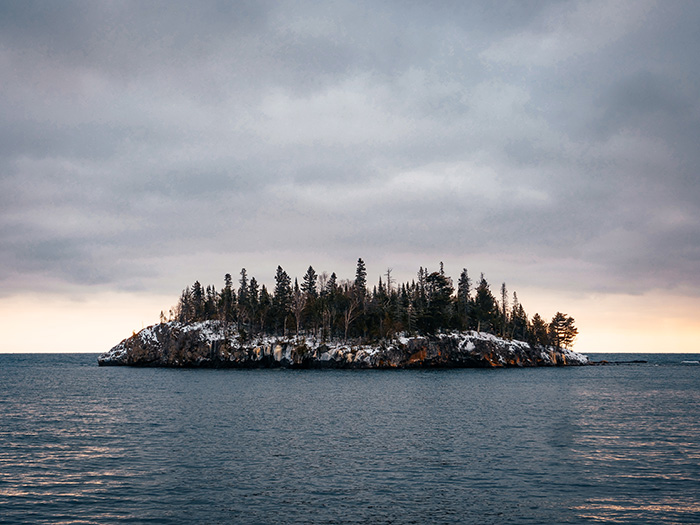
550 145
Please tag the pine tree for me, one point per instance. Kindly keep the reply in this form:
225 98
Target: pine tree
518 319
197 301
185 307
282 300
361 281
562 331
329 306
298 304
243 301
349 309
463 299
504 309
308 286
539 331
227 300
253 300
439 292
484 308
264 307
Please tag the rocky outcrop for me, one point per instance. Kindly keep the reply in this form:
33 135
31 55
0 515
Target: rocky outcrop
215 345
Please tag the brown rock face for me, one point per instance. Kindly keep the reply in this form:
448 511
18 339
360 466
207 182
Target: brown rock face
213 344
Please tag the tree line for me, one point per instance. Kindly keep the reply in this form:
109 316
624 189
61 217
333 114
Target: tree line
329 308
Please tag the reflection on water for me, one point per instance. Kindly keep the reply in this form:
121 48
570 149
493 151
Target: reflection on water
641 510
638 442
82 444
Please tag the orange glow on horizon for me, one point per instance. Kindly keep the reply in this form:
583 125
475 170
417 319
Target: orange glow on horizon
651 323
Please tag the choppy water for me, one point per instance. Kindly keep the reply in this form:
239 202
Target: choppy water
82 444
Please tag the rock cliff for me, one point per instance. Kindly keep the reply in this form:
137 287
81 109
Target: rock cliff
215 345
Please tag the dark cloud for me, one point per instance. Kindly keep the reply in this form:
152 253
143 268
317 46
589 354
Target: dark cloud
135 133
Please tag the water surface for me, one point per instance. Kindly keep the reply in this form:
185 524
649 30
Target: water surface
609 444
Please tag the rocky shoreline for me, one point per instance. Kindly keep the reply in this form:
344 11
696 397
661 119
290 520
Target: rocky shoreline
212 344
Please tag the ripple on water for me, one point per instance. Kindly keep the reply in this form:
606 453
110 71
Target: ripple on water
82 444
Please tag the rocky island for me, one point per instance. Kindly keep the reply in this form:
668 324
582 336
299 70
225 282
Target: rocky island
215 344
328 323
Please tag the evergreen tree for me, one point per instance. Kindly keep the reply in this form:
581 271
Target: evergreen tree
264 307
463 299
227 300
243 300
539 333
197 301
438 312
282 300
419 298
253 300
361 281
504 309
518 319
329 306
485 309
360 291
185 307
298 304
348 309
308 286
562 331
210 302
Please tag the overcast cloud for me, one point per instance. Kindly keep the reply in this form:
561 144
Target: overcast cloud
141 142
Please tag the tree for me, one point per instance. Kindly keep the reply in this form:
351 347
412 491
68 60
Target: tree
562 331
253 300
518 320
463 299
351 309
309 289
439 290
227 300
360 281
484 309
185 308
264 307
243 300
539 331
329 305
210 302
282 300
308 286
504 309
298 304
198 301
389 280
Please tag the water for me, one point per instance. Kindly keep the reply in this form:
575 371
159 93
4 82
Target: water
613 444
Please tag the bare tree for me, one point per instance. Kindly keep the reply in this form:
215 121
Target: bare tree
504 309
389 280
298 304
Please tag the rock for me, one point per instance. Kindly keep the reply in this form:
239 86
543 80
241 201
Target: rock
216 345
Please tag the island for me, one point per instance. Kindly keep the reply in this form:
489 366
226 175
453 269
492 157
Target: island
213 344
327 323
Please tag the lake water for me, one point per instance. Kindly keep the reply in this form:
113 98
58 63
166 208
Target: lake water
608 444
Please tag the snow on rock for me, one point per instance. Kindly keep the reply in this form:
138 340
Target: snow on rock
216 344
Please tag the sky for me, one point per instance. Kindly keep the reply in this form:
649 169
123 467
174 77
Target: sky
552 146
